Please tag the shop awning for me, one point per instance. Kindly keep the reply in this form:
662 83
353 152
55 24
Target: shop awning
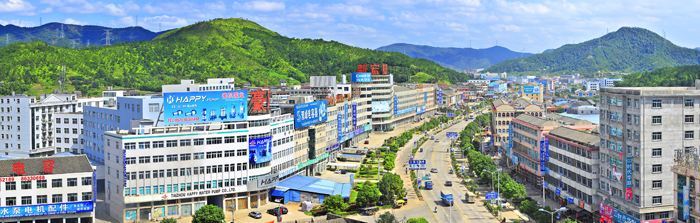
277 193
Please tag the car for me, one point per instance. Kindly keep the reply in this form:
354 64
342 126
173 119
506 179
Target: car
255 214
343 171
433 170
448 183
276 211
451 171
420 150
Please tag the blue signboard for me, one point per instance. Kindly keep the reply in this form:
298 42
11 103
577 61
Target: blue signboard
405 110
491 195
361 77
570 200
417 164
420 109
345 118
529 89
544 156
439 96
339 119
309 114
354 115
622 217
557 191
686 202
46 209
260 149
452 135
396 104
510 142
425 97
628 172
182 108
380 106
450 115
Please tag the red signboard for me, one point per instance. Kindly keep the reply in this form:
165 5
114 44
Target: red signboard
259 102
628 194
48 166
362 68
375 69
18 168
385 69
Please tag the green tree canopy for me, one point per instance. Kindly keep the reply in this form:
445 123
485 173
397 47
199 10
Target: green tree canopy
368 194
417 220
208 214
335 204
387 217
391 187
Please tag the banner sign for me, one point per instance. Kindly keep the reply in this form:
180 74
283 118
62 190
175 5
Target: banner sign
509 148
628 178
259 102
361 77
354 115
184 108
380 106
396 104
405 110
544 155
622 217
452 135
260 149
420 109
417 164
309 114
528 89
491 195
439 96
46 209
339 119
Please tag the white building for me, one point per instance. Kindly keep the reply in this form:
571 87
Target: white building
592 86
68 132
213 84
26 123
159 172
47 190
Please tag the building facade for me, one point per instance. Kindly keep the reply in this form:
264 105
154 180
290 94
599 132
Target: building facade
528 146
502 113
687 174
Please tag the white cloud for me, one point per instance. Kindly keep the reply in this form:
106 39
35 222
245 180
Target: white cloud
114 9
166 21
73 21
127 21
265 6
507 28
15 6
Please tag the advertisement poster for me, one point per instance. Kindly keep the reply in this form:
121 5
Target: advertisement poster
340 127
182 108
259 102
628 179
260 149
361 77
531 89
354 115
309 114
46 209
380 106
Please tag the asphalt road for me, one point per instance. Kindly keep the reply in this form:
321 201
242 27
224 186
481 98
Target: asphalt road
437 156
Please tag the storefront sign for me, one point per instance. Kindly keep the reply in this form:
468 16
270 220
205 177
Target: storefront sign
628 178
259 102
354 114
199 193
380 106
263 182
339 119
205 107
46 209
361 77
260 149
309 114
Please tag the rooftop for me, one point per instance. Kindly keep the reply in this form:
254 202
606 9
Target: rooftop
535 120
35 166
577 136
314 185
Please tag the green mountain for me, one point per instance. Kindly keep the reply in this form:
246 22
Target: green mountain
666 77
456 58
68 35
627 49
217 48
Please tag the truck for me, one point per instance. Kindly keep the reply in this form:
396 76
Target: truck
447 198
428 185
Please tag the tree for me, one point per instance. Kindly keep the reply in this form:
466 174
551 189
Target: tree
387 217
417 220
335 204
208 214
368 195
168 220
569 220
391 187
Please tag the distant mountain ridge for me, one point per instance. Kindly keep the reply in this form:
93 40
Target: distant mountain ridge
627 49
456 58
66 35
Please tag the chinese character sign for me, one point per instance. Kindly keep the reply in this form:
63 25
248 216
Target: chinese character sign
628 178
48 166
18 168
259 102
309 114
205 107
45 209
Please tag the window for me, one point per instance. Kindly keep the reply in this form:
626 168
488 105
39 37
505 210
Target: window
656 103
72 197
213 141
689 118
26 200
130 160
198 156
158 144
40 184
129 146
56 183
10 186
664 214
11 201
172 157
185 142
656 136
144 159
656 184
72 182
87 196
87 181
57 198
185 157
656 152
656 200
198 142
144 145
656 168
656 119
153 107
689 135
171 143
42 199
689 102
26 185
158 159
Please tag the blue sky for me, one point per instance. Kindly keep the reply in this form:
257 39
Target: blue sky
520 25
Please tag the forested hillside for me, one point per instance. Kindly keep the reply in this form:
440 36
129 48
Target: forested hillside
218 48
456 58
663 77
69 35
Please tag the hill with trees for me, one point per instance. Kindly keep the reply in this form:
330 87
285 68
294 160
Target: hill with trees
73 36
663 77
218 48
627 50
456 58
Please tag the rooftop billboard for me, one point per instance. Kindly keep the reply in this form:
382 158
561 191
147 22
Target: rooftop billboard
309 114
182 108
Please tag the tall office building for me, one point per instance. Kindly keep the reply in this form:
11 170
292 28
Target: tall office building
639 130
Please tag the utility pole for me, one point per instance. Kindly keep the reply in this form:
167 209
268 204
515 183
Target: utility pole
108 36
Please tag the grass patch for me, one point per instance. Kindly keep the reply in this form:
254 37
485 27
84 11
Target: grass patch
353 196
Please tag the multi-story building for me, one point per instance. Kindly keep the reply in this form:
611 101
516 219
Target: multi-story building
639 130
68 130
533 92
26 123
503 112
528 146
171 171
47 189
572 174
213 84
687 175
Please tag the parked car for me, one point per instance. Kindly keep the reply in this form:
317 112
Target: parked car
448 183
433 170
255 214
275 211
451 171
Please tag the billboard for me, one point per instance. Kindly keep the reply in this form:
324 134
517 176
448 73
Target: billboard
183 108
628 178
380 106
354 115
417 164
439 96
452 135
260 149
46 209
361 77
420 109
259 102
309 114
529 89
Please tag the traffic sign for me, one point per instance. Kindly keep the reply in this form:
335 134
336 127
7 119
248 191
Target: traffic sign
491 195
452 135
417 164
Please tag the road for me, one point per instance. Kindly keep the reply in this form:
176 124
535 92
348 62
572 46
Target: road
437 156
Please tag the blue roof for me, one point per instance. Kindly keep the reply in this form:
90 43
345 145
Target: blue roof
315 185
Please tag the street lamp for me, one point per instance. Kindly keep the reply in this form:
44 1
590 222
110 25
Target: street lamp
498 178
551 213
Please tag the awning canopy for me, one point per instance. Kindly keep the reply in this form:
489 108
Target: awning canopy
277 193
